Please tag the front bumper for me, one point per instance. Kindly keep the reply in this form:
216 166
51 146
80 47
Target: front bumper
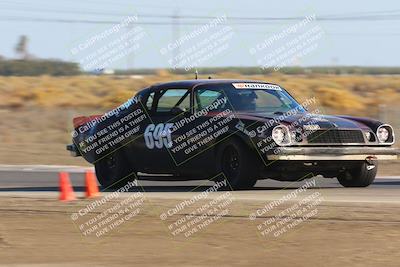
335 153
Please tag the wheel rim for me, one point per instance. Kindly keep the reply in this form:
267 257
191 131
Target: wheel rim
231 162
118 170
110 162
112 168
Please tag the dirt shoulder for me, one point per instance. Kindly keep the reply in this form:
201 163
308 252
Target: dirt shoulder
41 231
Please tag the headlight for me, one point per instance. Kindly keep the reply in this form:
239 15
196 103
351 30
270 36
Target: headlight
368 136
280 134
385 134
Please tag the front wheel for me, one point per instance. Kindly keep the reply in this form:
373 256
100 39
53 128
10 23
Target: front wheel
361 175
238 164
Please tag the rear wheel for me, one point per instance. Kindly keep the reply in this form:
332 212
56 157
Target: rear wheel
114 171
238 164
361 175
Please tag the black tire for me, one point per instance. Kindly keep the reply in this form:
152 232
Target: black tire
361 175
238 164
114 171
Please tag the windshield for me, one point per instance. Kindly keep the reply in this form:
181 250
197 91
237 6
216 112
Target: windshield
263 101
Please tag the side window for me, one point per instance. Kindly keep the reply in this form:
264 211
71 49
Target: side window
172 98
205 97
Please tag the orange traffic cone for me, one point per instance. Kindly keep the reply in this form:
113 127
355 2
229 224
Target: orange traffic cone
66 191
92 190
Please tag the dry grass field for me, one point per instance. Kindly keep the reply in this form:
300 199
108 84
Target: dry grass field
36 112
341 93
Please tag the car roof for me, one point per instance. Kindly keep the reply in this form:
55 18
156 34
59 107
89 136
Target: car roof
192 83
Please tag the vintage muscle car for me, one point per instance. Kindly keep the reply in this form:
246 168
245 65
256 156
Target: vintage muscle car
236 130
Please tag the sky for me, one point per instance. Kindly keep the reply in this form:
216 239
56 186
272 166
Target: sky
363 33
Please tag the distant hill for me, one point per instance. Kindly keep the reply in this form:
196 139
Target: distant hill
288 70
38 67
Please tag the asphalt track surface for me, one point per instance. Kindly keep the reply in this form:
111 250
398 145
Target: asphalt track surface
43 181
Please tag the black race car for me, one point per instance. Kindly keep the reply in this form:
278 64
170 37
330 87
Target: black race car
236 130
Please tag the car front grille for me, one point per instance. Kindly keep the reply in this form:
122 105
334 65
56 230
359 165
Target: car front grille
335 136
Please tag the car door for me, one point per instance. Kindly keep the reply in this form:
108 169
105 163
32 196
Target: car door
205 97
194 139
168 106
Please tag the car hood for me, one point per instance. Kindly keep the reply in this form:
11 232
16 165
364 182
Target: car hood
323 121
